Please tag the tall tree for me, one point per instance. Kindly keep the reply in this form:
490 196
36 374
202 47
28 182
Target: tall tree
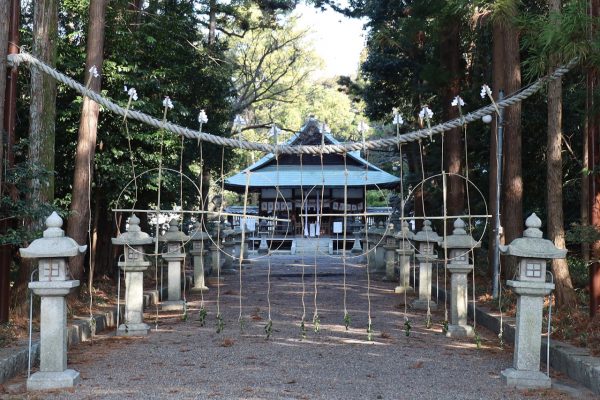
593 133
497 85
450 54
512 180
554 176
4 16
5 251
86 142
42 109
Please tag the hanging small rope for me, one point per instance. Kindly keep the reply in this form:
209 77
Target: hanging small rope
243 241
302 260
203 312
428 318
369 320
471 253
158 210
347 319
220 321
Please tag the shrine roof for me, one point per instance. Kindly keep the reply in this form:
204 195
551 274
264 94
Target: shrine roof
268 173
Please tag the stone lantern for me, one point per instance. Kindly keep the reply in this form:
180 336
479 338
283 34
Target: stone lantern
532 252
52 251
459 244
198 251
263 248
134 265
389 245
405 252
426 238
175 257
228 237
356 246
377 257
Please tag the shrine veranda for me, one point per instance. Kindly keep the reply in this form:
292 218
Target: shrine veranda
348 276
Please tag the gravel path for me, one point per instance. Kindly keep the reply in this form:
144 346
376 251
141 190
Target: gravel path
183 360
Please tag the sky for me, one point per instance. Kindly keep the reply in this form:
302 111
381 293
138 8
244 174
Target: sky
338 40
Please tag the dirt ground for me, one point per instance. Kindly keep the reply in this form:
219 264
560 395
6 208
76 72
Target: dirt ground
182 359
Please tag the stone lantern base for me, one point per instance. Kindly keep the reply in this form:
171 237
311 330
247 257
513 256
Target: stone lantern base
133 330
421 304
172 305
525 379
53 380
460 331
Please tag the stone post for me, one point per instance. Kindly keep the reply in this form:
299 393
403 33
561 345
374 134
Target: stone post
198 252
404 252
134 265
389 246
427 239
215 258
228 236
356 247
175 258
264 247
52 251
369 247
459 244
532 252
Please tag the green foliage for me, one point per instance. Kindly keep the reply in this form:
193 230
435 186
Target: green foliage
316 323
302 329
16 206
162 54
553 38
428 321
407 327
347 320
370 331
579 270
220 323
269 329
582 234
202 316
445 326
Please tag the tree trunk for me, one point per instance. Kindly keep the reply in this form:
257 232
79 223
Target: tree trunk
4 16
512 180
9 39
565 295
584 200
593 133
86 143
42 109
212 22
497 85
453 141
5 251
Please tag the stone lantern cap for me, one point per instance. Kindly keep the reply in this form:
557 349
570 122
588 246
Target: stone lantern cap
427 234
198 233
173 234
226 230
54 243
532 244
459 239
134 235
390 230
404 233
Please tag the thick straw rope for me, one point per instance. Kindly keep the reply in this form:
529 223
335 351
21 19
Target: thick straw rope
14 60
